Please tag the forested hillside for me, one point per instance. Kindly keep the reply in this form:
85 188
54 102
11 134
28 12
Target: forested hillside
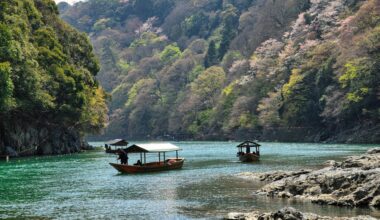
289 70
49 97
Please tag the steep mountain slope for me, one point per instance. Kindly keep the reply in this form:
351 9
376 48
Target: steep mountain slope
291 70
48 93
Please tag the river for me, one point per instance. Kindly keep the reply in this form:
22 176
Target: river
84 186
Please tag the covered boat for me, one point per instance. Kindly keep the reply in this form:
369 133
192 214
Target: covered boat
142 166
113 146
245 154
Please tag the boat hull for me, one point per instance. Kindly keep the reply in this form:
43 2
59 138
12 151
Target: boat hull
249 158
149 167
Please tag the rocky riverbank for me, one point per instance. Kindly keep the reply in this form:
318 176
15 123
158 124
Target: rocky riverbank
289 213
353 182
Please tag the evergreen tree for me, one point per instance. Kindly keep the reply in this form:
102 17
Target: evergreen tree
211 56
230 24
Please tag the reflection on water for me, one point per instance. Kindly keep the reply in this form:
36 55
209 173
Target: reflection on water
85 186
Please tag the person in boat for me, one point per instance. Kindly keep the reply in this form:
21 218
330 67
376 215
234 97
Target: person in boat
240 154
170 161
138 163
123 156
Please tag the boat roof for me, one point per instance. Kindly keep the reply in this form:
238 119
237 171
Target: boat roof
117 142
249 144
152 148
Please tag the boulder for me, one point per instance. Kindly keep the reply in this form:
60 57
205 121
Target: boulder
374 151
376 202
288 213
353 182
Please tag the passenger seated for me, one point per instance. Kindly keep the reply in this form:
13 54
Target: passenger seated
138 163
240 154
170 161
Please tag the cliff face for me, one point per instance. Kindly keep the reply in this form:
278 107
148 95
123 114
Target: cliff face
49 97
292 70
25 137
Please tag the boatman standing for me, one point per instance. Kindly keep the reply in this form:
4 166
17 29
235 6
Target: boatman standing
123 156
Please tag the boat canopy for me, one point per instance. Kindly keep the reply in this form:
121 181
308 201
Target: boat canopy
152 148
249 144
117 142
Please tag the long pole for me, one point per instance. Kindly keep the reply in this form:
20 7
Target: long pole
176 154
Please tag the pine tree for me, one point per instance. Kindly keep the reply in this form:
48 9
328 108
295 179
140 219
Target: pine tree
211 56
230 24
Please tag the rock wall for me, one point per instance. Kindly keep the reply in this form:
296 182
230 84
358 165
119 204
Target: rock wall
22 138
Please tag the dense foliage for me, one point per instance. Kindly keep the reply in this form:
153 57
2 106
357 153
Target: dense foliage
227 68
47 70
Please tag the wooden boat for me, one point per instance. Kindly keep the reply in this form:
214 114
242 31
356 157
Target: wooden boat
251 157
247 155
112 146
171 164
143 167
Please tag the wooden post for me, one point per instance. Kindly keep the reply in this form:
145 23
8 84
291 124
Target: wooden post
164 157
141 158
176 154
144 158
159 157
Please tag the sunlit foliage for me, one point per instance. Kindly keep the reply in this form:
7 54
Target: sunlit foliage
47 69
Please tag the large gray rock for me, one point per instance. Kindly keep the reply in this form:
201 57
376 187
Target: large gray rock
373 151
353 182
289 214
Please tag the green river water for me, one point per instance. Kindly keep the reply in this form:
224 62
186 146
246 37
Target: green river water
84 186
